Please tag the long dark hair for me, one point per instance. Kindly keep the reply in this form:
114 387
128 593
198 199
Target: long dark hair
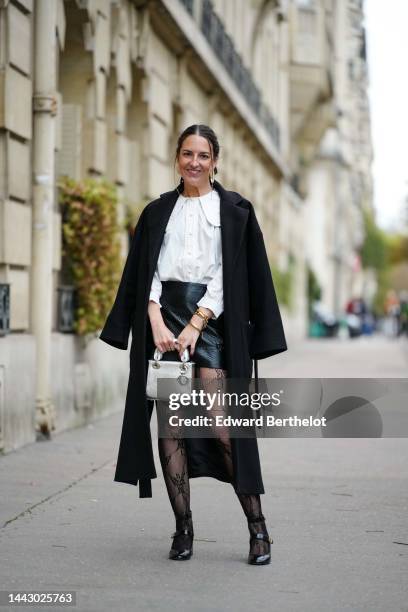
199 129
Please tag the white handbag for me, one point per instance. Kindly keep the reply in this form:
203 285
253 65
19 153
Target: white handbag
179 376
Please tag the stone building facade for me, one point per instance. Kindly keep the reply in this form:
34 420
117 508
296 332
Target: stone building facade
103 88
338 174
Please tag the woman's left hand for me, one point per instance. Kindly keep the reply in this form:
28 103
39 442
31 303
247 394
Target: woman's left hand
187 338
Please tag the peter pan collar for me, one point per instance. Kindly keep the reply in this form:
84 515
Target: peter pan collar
210 205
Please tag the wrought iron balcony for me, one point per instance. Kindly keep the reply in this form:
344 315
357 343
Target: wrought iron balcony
213 29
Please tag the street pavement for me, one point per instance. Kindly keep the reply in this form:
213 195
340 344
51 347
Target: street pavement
336 508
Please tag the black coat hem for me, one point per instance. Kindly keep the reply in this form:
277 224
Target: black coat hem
268 352
145 484
201 474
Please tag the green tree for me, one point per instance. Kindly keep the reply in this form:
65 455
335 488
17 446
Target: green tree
314 290
284 281
375 254
398 248
374 251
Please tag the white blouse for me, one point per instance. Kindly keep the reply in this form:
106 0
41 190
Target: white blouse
191 249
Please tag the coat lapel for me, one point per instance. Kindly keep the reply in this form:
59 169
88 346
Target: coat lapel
233 222
158 218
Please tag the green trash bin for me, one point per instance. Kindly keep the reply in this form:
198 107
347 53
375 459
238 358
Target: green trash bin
316 330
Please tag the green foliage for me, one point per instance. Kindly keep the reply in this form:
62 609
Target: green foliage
374 251
90 248
398 248
377 253
283 282
397 252
314 290
383 286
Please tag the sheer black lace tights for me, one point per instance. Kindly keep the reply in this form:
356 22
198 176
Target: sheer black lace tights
173 459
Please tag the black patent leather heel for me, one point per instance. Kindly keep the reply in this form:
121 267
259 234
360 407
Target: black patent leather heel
256 536
182 547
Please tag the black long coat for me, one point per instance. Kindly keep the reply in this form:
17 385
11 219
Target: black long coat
252 328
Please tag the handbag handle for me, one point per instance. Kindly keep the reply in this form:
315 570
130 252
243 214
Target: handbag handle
185 356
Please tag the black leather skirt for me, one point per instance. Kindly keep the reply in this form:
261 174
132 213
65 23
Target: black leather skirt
179 301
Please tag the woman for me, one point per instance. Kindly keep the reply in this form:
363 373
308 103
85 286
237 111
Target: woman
196 277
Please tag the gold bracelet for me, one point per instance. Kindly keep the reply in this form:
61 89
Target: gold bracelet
203 316
195 326
204 324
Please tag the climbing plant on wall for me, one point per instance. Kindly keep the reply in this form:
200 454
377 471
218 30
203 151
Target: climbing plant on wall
90 248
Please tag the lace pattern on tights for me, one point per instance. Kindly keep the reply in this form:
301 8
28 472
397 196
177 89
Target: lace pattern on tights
173 459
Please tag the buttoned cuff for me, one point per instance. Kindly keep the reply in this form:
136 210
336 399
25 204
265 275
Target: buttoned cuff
215 305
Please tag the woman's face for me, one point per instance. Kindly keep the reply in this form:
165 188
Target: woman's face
194 161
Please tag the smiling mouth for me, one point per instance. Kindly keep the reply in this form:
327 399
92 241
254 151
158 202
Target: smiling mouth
194 171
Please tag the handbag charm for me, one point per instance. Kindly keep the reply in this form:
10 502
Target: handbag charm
178 376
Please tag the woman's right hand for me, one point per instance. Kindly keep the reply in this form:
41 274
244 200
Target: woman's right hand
163 338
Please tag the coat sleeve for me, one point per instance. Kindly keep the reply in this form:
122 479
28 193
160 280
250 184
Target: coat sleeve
267 335
118 323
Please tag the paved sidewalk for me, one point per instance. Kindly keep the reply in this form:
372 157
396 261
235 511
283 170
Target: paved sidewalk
336 509
365 357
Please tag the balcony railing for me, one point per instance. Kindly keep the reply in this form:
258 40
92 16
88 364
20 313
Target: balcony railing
222 45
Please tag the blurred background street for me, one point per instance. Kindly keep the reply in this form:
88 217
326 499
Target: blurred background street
366 357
